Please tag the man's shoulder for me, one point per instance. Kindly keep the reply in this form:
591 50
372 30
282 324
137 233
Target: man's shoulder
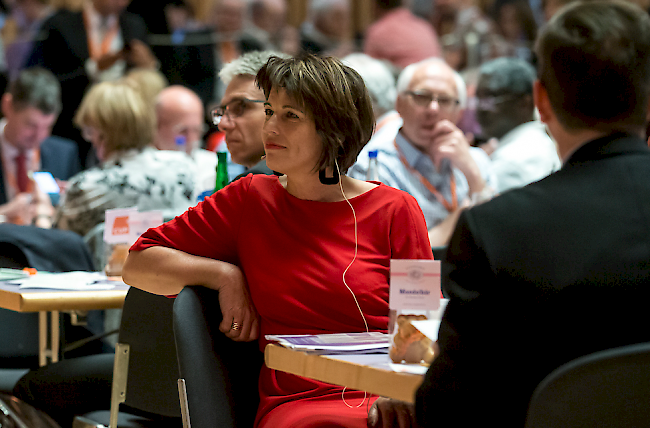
58 143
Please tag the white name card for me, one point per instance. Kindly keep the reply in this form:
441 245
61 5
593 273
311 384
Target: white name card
125 225
414 284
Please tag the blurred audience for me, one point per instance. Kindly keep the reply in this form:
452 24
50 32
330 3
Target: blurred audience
380 83
120 125
327 28
30 107
181 126
517 26
468 37
431 158
187 52
398 36
269 25
149 82
524 152
94 44
27 17
227 20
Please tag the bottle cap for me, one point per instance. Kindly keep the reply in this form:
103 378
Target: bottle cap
372 153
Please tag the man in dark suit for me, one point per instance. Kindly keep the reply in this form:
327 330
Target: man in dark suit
30 108
87 46
560 268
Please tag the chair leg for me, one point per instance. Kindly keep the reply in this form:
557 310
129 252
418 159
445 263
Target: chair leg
120 374
182 395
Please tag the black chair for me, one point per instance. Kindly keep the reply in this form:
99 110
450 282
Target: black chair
610 388
145 370
221 375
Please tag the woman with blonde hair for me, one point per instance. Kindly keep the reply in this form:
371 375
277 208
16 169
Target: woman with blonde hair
120 125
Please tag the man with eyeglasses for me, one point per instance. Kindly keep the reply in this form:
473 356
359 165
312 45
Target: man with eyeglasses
240 115
431 158
524 152
181 126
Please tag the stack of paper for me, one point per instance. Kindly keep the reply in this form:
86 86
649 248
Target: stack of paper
336 343
67 281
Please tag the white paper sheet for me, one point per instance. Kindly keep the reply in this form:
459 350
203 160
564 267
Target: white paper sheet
67 281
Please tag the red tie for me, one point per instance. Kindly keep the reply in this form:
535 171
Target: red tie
21 173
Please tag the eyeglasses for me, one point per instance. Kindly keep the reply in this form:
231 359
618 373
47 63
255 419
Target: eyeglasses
233 109
490 102
424 99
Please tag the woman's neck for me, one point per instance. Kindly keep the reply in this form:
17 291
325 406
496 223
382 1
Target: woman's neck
311 189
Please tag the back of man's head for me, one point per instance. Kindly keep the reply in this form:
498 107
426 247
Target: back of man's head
594 62
36 87
247 65
509 75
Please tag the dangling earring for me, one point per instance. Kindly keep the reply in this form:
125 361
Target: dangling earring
329 180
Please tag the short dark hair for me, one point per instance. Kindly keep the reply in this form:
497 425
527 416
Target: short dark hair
594 62
36 87
333 94
510 75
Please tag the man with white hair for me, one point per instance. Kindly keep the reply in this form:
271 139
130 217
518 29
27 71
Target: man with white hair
431 158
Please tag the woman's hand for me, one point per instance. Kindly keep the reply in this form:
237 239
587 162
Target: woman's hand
388 413
240 322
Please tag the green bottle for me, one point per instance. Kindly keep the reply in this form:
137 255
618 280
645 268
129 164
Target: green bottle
222 171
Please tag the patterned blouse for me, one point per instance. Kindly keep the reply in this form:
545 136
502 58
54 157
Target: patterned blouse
148 179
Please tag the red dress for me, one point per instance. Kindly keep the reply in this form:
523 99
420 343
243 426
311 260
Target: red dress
293 253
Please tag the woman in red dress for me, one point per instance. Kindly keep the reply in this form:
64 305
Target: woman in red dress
304 253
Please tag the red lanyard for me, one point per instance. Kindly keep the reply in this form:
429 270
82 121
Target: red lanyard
453 206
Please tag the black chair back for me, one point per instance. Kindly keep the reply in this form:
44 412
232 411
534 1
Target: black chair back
610 388
146 327
221 375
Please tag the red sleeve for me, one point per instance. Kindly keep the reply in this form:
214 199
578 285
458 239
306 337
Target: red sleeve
209 229
409 233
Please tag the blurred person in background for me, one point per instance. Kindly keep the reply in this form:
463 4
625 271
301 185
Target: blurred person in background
120 124
467 35
327 30
429 157
269 24
181 126
506 111
517 26
30 108
27 17
97 43
227 19
149 82
379 80
398 36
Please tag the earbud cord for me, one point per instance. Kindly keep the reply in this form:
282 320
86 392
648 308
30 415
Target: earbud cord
356 247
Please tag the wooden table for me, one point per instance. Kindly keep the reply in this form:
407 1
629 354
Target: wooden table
51 302
370 372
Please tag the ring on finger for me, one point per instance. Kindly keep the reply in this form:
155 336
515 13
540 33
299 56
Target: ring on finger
235 326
